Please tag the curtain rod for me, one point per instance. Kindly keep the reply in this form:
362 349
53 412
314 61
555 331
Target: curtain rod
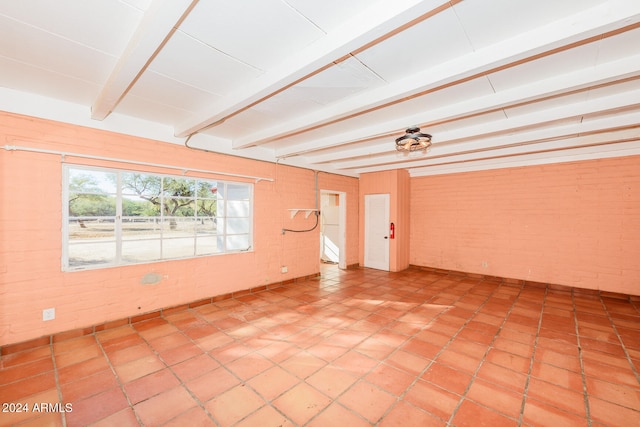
133 162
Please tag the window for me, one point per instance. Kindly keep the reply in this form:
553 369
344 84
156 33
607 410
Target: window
117 217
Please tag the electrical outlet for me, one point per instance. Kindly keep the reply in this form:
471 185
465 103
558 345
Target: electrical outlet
48 314
485 264
284 269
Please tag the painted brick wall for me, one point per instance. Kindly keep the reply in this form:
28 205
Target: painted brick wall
403 220
574 224
31 228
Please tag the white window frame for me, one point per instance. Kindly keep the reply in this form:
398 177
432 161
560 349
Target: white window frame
118 219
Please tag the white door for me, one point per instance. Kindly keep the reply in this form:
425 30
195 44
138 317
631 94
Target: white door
376 231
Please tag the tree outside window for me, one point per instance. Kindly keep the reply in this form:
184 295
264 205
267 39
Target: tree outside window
119 217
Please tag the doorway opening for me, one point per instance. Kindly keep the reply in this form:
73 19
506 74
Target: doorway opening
333 213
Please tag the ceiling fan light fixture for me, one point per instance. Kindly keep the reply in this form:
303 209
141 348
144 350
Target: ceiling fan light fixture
413 140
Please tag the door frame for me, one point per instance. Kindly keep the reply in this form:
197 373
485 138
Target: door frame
342 228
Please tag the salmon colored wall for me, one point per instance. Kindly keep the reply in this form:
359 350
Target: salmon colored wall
403 225
31 232
397 184
574 224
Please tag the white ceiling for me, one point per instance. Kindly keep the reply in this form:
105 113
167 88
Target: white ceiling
329 84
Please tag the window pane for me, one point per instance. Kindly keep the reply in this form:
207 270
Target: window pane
91 205
238 209
237 192
237 243
178 207
237 225
207 190
178 248
207 245
179 187
138 206
87 229
207 208
134 251
140 227
206 226
141 184
178 226
151 217
93 253
91 182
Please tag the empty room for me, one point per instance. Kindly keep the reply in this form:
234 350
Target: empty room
320 213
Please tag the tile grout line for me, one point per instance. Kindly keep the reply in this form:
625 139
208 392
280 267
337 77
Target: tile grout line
157 313
57 378
361 377
268 402
303 380
167 366
255 350
634 305
250 291
442 349
243 382
531 363
624 348
242 339
489 348
400 397
117 377
358 378
157 354
223 365
582 373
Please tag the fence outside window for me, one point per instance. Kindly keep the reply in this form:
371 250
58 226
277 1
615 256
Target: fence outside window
119 217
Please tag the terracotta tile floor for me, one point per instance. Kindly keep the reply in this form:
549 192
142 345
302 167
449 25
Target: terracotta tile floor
350 348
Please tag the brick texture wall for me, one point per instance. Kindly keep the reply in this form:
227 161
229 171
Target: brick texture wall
574 224
31 232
